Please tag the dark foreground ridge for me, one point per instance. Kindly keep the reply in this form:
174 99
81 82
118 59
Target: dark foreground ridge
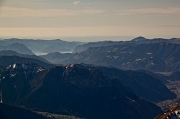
143 83
10 112
75 90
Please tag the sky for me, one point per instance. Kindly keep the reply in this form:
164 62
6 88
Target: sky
89 19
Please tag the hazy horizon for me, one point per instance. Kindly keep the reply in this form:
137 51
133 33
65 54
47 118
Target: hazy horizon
86 39
73 19
81 39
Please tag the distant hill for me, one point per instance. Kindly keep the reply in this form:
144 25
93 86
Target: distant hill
10 112
142 40
139 39
8 60
83 47
56 57
20 48
135 41
13 53
73 89
153 57
45 46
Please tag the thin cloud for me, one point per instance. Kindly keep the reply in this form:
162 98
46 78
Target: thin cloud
162 11
7 12
76 2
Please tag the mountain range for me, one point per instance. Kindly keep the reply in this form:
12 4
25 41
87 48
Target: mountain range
72 89
44 46
98 80
135 41
156 57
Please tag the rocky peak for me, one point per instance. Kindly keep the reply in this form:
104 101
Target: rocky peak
25 70
140 38
25 66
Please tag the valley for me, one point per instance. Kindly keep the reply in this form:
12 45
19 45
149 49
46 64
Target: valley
174 87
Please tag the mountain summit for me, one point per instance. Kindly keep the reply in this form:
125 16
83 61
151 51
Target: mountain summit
139 39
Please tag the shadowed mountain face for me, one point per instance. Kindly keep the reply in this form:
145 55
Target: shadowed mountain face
83 47
56 57
153 57
18 80
10 112
143 83
8 60
17 47
73 89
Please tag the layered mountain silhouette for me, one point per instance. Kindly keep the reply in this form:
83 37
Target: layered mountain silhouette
56 57
153 57
45 46
99 80
13 53
20 48
74 89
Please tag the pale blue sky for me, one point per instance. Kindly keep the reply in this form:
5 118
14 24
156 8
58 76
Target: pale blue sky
89 18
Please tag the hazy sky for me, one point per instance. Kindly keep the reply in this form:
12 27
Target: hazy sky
89 18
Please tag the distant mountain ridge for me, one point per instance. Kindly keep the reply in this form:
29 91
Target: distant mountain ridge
13 53
135 41
20 48
152 57
45 46
56 57
83 47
